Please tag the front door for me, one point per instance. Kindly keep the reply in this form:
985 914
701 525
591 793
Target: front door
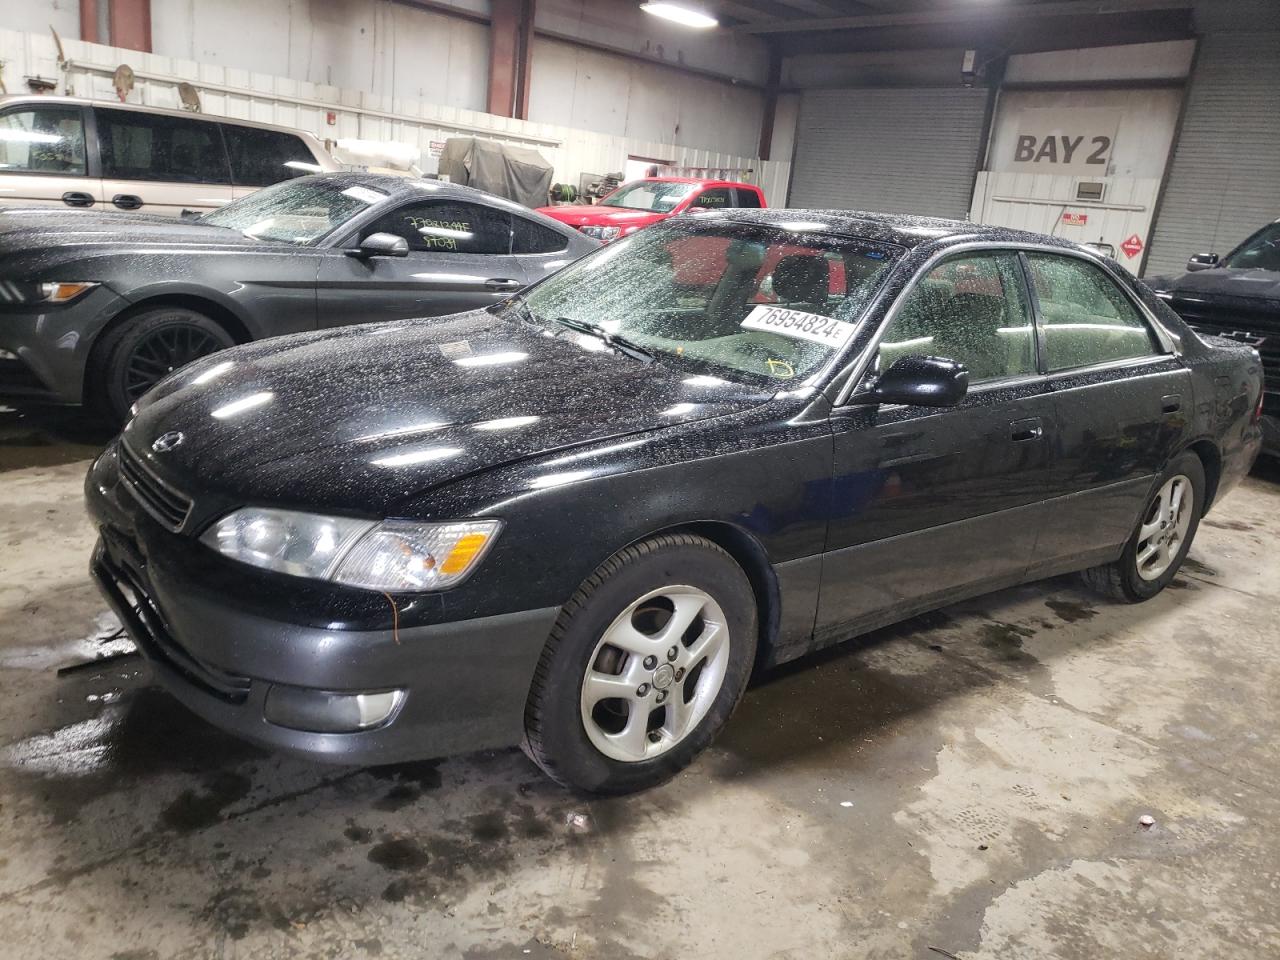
1124 401
459 259
43 160
931 504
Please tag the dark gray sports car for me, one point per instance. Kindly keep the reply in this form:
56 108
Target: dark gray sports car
94 309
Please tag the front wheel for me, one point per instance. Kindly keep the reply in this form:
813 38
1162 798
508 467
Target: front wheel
643 667
145 348
1161 539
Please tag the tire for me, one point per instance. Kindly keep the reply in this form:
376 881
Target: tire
142 349
585 739
1131 579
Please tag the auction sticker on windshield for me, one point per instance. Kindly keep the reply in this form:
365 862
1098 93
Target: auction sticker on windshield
799 325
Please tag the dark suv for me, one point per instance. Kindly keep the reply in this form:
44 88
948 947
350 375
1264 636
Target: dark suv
1238 296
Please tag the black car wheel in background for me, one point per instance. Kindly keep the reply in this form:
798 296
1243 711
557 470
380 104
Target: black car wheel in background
144 348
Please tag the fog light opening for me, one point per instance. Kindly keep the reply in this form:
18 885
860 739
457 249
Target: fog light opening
320 711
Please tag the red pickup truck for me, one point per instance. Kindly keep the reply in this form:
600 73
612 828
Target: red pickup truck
639 203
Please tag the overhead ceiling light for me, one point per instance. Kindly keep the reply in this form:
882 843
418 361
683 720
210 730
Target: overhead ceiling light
685 16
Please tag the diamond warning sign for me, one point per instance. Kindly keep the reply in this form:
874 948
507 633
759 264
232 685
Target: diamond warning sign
1132 247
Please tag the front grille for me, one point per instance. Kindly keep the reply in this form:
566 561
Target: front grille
158 498
1256 324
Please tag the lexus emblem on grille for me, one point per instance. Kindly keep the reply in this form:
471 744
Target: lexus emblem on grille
168 441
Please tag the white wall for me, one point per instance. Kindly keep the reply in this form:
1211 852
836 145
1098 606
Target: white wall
37 16
388 49
1169 59
578 87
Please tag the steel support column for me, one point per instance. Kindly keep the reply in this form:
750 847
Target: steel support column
510 53
130 24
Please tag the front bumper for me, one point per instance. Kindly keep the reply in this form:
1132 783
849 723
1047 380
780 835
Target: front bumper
44 350
466 681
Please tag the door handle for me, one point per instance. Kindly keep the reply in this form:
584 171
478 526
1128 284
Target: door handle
1022 431
1171 403
127 201
501 284
77 198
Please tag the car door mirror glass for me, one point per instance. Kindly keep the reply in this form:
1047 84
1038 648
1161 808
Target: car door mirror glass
382 245
1202 261
920 382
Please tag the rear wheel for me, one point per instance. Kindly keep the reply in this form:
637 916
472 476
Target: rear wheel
1163 535
643 667
145 348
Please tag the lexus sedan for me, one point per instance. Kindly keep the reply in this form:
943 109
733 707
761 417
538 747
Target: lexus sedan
1237 296
95 308
578 520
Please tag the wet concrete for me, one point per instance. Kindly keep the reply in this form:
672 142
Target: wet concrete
971 781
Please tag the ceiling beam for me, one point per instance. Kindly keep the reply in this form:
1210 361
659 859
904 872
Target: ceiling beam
965 14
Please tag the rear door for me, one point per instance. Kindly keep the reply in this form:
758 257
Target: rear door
931 504
155 163
1124 402
43 157
459 259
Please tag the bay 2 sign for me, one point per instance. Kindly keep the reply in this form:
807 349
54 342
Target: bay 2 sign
1064 141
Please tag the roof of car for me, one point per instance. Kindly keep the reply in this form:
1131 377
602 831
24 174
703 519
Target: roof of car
16 98
698 180
901 229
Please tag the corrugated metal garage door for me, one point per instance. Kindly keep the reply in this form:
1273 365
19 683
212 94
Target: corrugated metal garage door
1225 179
893 150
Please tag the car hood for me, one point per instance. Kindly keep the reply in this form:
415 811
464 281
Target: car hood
46 236
597 216
362 418
1222 282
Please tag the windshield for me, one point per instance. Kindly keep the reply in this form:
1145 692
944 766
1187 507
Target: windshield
739 300
296 211
653 196
1259 252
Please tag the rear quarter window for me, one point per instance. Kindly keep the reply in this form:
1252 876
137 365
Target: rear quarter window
260 158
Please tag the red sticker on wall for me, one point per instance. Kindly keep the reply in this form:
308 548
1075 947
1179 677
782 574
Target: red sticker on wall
1132 247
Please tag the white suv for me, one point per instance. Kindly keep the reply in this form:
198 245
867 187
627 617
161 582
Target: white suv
69 151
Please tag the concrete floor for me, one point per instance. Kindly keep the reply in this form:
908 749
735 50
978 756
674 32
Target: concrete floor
966 784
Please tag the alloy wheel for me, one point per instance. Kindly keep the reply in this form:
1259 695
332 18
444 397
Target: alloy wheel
655 673
163 351
1165 528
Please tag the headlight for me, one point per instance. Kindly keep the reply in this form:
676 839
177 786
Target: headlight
394 555
26 292
610 233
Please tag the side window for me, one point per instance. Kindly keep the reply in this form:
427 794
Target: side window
148 146
1086 318
714 198
748 198
260 158
530 237
448 226
972 309
42 140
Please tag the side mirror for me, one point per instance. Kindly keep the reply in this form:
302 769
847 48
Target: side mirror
919 382
381 245
1202 261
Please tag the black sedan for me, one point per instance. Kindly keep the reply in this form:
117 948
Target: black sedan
1238 296
579 519
94 309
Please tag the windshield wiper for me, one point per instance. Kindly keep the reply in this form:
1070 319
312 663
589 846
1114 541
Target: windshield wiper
616 341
